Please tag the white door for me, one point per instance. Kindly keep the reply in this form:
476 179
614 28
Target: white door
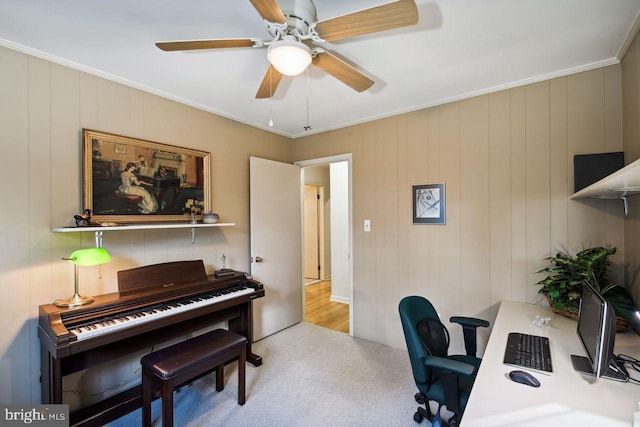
311 253
276 244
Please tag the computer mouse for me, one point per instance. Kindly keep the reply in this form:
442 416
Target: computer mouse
523 377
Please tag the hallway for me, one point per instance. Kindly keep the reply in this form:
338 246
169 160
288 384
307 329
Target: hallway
320 311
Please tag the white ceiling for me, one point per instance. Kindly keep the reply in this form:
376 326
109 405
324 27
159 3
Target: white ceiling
458 49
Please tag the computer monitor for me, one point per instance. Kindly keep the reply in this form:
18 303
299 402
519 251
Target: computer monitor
597 332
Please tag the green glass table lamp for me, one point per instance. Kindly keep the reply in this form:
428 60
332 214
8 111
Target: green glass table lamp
84 257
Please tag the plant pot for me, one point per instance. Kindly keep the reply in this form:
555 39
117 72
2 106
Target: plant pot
621 324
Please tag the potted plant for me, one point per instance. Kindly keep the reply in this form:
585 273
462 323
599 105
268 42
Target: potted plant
563 286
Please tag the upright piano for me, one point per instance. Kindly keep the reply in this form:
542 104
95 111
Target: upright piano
160 186
154 304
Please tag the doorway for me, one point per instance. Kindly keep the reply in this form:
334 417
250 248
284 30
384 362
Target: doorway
328 280
313 219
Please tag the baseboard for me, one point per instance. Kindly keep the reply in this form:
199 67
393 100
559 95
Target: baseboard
342 300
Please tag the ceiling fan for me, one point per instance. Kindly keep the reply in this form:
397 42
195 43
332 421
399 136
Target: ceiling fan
293 26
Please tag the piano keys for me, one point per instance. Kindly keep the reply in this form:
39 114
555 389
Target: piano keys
112 323
153 304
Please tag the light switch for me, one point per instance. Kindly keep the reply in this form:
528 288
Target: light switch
367 225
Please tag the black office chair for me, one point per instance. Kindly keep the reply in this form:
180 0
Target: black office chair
445 379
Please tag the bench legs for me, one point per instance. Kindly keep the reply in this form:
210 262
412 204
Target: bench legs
242 364
151 382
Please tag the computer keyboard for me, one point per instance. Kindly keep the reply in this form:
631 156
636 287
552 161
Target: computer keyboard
529 352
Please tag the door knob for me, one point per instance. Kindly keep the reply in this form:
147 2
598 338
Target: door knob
259 259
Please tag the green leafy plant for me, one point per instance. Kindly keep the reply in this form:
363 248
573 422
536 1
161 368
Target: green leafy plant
567 274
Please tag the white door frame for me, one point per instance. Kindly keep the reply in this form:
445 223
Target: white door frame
323 161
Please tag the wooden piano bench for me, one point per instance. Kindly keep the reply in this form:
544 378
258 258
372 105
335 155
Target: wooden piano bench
173 366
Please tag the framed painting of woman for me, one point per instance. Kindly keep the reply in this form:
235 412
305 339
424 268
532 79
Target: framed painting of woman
129 180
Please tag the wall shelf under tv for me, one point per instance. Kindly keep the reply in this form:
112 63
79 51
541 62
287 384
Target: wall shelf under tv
98 229
619 185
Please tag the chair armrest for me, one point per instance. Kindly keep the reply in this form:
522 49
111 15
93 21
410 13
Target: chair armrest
469 321
445 364
469 326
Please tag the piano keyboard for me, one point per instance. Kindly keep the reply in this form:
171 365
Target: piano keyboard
147 314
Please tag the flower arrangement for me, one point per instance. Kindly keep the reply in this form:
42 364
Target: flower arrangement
193 206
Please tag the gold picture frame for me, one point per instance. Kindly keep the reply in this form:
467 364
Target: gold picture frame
131 180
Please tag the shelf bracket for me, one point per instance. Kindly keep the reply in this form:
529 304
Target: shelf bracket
193 235
98 235
625 205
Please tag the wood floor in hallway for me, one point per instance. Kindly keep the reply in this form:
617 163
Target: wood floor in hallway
321 311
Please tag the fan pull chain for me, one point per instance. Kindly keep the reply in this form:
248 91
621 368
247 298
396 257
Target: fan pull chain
308 126
270 100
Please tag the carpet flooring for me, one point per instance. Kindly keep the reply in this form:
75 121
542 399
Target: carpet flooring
311 376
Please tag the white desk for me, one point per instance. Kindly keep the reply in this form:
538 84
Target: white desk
564 398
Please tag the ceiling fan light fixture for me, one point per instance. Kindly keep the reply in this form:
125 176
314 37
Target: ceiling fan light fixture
289 56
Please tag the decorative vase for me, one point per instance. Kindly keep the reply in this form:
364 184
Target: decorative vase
210 218
194 220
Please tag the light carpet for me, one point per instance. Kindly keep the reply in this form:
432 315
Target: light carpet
310 376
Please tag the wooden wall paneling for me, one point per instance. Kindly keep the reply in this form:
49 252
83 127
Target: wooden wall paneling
537 183
114 106
40 172
433 271
518 195
366 201
89 102
384 201
66 200
499 200
180 126
108 109
155 118
238 207
420 156
362 195
585 136
406 168
613 141
136 111
631 132
14 267
560 169
612 108
475 283
39 242
65 133
450 243
630 70
388 210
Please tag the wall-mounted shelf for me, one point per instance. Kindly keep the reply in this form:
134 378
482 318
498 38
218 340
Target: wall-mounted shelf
619 185
98 230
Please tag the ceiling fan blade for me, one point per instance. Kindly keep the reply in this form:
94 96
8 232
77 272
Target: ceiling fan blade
269 10
342 71
205 44
269 83
401 13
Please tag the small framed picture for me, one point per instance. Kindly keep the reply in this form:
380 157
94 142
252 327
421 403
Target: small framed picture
429 203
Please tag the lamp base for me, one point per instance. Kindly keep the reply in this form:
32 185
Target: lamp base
74 301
